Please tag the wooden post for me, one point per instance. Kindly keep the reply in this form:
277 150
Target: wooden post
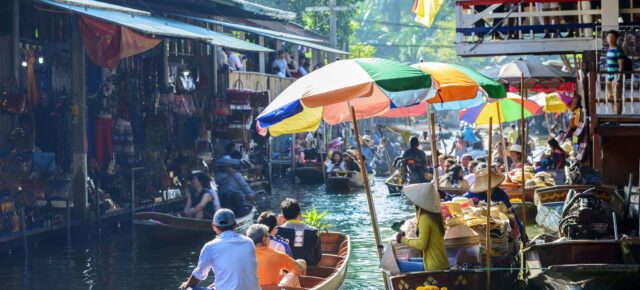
504 146
261 56
165 63
79 123
372 209
216 65
293 158
524 154
15 41
489 193
321 156
546 116
434 152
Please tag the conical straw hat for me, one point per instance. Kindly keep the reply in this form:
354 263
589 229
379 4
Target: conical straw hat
424 196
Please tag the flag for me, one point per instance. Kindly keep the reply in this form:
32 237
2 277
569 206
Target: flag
426 11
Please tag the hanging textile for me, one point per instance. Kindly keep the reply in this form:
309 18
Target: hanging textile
106 43
426 11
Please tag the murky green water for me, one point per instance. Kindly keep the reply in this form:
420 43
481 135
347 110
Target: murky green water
119 259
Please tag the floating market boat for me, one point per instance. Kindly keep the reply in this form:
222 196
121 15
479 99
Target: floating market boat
172 228
584 264
345 181
550 202
394 188
331 271
309 173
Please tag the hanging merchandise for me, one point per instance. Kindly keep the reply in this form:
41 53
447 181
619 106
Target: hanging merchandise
259 98
238 95
22 140
219 107
12 103
107 43
123 143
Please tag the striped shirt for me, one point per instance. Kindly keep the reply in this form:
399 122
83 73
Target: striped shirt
613 55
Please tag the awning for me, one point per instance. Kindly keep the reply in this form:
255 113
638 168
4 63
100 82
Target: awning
287 37
160 26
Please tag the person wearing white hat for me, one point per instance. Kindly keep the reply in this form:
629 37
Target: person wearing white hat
478 191
430 226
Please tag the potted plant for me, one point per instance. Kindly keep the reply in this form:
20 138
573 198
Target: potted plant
319 221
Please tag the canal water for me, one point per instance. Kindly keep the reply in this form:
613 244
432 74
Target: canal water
119 259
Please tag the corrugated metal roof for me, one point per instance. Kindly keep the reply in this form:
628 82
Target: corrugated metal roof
104 6
264 10
257 30
271 33
162 26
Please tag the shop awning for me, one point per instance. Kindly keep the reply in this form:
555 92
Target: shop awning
287 37
159 26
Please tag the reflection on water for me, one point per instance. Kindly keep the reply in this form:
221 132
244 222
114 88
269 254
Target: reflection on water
119 259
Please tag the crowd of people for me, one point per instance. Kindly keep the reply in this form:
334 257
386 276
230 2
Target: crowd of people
274 252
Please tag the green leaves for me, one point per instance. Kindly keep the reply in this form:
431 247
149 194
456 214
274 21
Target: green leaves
312 218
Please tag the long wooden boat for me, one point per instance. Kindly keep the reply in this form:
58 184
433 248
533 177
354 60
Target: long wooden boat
394 188
550 202
172 228
454 279
309 173
331 271
583 264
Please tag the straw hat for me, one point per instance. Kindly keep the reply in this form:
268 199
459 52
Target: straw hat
461 235
481 180
367 140
424 196
515 148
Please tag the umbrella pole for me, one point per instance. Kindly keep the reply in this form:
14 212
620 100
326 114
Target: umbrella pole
321 157
504 146
293 158
546 116
434 154
489 193
523 159
372 211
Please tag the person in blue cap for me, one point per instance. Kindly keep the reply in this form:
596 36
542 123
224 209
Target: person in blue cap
231 257
233 190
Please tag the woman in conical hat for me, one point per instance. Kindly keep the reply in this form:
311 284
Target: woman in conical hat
430 227
478 190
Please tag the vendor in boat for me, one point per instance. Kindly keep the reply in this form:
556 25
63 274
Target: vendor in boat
336 163
416 159
233 190
478 191
558 156
515 156
202 200
454 178
350 161
430 228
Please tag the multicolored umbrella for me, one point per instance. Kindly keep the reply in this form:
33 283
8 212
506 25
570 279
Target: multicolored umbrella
551 103
536 76
372 86
410 111
456 83
505 110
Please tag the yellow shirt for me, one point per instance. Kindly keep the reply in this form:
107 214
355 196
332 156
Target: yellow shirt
431 242
513 136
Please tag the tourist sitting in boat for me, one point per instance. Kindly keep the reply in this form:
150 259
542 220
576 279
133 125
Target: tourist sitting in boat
478 191
465 161
515 156
309 154
454 179
231 257
336 163
350 162
304 239
416 160
272 262
268 219
430 230
233 190
202 200
558 156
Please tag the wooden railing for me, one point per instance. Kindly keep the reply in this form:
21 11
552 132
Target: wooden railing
258 81
630 97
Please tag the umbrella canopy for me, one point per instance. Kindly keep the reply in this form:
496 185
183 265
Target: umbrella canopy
505 110
410 111
372 86
457 83
535 75
551 103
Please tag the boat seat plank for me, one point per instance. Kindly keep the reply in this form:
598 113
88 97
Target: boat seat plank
329 260
309 281
320 271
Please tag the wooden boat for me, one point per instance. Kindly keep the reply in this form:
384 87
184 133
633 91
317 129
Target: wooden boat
339 181
454 279
330 273
309 173
172 228
583 264
550 201
394 189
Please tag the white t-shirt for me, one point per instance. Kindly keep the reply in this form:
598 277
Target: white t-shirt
234 63
282 65
232 258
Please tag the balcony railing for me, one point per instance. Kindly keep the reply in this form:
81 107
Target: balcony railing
607 103
260 82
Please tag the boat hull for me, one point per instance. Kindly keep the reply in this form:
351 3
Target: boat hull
340 184
309 175
454 279
171 229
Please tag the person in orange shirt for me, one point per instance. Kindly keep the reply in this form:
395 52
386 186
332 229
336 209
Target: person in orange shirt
271 262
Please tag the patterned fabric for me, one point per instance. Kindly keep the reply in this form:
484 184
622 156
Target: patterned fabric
123 143
613 55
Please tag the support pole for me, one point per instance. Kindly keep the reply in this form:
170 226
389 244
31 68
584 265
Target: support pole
372 209
504 146
78 124
165 63
489 193
261 56
324 177
15 41
546 116
434 152
293 158
524 155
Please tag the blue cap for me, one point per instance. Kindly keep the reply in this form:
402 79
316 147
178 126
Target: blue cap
224 218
